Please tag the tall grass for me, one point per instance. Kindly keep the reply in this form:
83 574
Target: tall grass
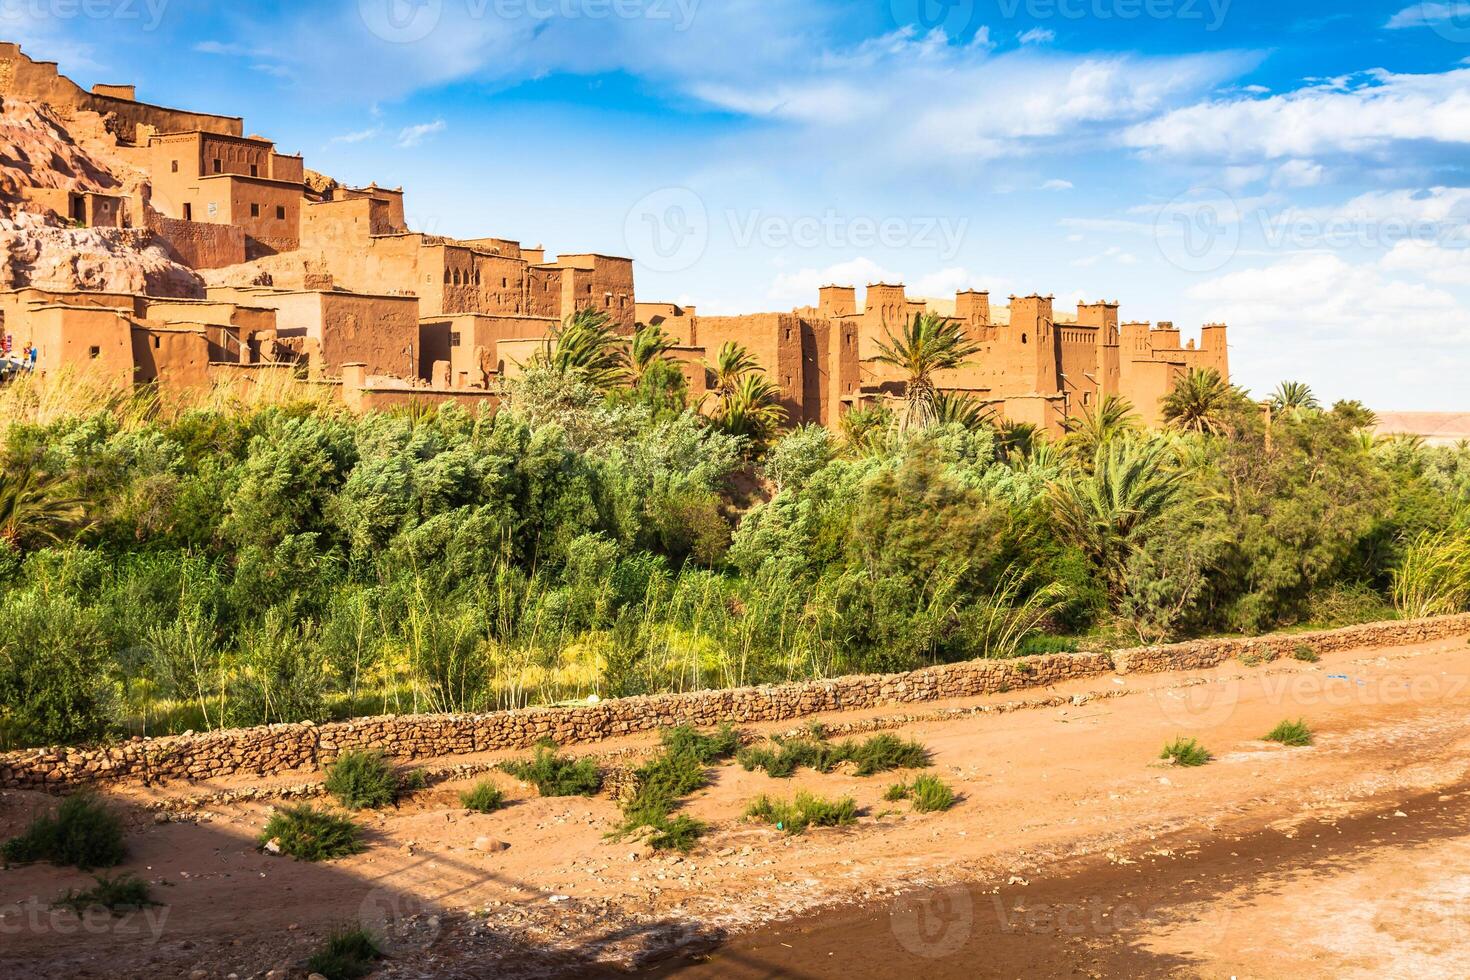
1433 577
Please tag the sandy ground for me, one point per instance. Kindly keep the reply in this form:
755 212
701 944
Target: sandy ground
1072 850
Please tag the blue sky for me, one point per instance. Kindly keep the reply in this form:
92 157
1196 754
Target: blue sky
1298 170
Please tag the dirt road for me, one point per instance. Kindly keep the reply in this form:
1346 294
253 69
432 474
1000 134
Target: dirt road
1075 850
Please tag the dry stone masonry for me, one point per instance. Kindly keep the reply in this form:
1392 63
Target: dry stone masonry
284 748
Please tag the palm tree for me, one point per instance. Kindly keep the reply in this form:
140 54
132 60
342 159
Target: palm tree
34 506
648 347
928 344
963 410
1107 512
1200 402
1114 418
732 363
1016 441
586 344
752 408
1294 397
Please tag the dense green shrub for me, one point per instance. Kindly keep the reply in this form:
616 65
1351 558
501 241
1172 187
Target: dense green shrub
1186 752
928 794
350 953
309 834
554 775
483 797
1293 733
677 771
795 816
279 563
82 833
880 753
119 894
362 780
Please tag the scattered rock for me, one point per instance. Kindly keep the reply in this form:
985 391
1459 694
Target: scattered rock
490 845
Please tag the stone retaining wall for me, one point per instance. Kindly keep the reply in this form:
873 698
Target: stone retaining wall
284 748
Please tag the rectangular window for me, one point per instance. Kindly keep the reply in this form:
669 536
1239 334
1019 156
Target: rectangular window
281 213
94 352
175 166
255 210
188 212
254 170
156 342
453 338
218 166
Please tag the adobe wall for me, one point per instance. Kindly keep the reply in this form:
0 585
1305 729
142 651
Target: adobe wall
94 340
40 81
284 748
177 359
774 340
199 244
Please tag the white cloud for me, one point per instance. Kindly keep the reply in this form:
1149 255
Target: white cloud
1057 185
1113 254
361 136
1430 261
230 49
1428 15
1037 35
411 136
966 102
1361 113
1352 330
1297 173
792 289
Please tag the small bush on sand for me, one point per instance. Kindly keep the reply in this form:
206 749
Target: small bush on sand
411 781
553 775
1294 733
928 793
82 833
687 740
309 834
1305 654
125 893
483 797
881 753
349 954
1186 752
679 833
795 816
366 780
675 773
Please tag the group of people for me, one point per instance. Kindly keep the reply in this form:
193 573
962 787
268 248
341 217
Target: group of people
12 363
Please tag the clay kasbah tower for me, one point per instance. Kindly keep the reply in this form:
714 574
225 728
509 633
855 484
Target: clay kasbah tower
167 246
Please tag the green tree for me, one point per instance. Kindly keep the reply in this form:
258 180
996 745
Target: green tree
1109 512
1202 402
1113 418
587 345
928 344
36 508
1293 396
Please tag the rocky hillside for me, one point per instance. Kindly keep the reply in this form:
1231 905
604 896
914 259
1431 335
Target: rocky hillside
38 149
